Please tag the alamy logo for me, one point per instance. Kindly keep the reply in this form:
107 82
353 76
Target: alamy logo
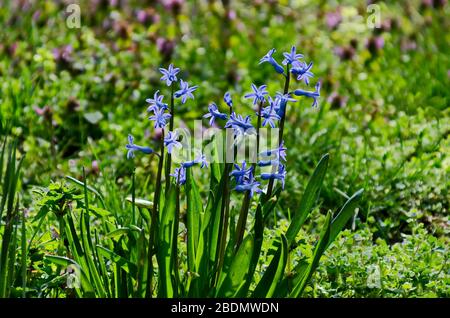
73 20
374 18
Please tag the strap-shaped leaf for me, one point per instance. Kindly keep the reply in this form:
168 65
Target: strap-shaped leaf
120 261
166 245
239 270
344 215
274 273
66 262
194 208
309 198
318 251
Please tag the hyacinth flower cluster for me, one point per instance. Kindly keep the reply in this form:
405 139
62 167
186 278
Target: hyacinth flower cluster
252 179
271 113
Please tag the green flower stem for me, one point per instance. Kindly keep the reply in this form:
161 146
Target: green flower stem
154 222
175 265
280 133
171 123
225 208
242 221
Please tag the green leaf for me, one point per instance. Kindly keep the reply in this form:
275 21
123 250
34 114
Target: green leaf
66 262
120 232
321 246
194 208
309 198
274 273
239 270
344 215
123 263
259 232
141 203
166 245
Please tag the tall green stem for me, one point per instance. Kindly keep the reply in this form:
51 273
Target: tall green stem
154 222
242 221
225 205
171 124
281 130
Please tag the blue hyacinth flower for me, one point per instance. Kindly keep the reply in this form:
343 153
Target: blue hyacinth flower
201 159
131 147
241 172
214 114
280 175
170 141
281 102
268 162
269 59
249 184
227 99
258 94
279 153
302 70
180 175
160 118
291 57
169 75
156 102
185 91
269 114
240 125
314 95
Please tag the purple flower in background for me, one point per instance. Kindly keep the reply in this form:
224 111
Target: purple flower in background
345 53
241 172
173 5
240 125
337 101
147 16
156 102
280 175
214 114
248 184
333 19
46 112
131 147
169 75
180 175
258 94
165 47
171 141
160 118
201 159
227 99
375 44
302 70
269 59
314 95
290 58
185 91
269 114
63 55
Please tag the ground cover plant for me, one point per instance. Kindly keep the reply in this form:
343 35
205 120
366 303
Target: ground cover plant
224 149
